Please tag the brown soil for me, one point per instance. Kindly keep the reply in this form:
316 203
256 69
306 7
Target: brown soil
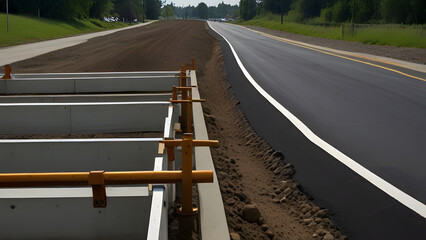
164 45
249 170
415 55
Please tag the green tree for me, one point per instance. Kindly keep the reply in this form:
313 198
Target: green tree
248 9
152 8
202 11
168 11
394 11
417 11
101 9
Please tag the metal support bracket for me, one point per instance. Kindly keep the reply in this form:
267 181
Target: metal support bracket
96 180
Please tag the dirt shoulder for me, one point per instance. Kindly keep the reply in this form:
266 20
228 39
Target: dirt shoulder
415 55
250 172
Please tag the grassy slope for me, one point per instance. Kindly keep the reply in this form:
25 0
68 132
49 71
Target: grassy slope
28 29
406 36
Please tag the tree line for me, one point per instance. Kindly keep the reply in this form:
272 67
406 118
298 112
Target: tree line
70 9
359 11
202 11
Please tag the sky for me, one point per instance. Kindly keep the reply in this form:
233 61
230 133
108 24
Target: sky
208 2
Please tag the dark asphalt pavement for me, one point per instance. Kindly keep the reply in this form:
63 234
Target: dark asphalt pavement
374 116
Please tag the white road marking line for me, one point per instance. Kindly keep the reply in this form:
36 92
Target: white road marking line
383 185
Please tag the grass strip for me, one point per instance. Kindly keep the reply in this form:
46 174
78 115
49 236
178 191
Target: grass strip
380 34
30 29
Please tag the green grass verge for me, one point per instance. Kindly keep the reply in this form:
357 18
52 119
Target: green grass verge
28 29
393 35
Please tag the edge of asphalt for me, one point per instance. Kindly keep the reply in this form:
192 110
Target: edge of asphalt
364 56
25 51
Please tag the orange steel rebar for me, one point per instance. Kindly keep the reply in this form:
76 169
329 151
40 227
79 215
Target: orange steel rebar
8 180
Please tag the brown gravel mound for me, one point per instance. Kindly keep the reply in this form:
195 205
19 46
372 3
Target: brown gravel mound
415 55
250 172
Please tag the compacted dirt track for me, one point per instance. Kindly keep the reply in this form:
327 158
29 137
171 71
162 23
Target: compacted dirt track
158 46
250 172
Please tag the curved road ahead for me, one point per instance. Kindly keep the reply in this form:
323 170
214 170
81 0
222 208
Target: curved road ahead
356 133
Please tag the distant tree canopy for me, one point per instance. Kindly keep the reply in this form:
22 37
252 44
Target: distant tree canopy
167 11
360 11
202 11
70 9
222 10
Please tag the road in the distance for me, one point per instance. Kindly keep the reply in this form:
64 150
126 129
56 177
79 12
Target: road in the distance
372 115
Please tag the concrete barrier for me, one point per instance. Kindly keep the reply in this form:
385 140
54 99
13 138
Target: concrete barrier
132 212
89 84
78 155
68 118
213 223
85 98
73 216
69 211
94 74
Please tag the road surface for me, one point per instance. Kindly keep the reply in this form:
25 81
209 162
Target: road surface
355 131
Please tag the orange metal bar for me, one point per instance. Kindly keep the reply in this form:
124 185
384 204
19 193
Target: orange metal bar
196 143
8 180
187 101
189 87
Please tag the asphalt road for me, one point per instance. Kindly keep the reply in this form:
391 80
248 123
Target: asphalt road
369 115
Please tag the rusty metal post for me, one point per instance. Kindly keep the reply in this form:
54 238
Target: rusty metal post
183 121
182 82
189 110
186 103
187 145
193 63
182 76
175 94
7 72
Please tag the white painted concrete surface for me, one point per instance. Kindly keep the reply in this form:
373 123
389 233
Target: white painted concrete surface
74 218
95 74
67 118
158 219
74 98
89 85
77 155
